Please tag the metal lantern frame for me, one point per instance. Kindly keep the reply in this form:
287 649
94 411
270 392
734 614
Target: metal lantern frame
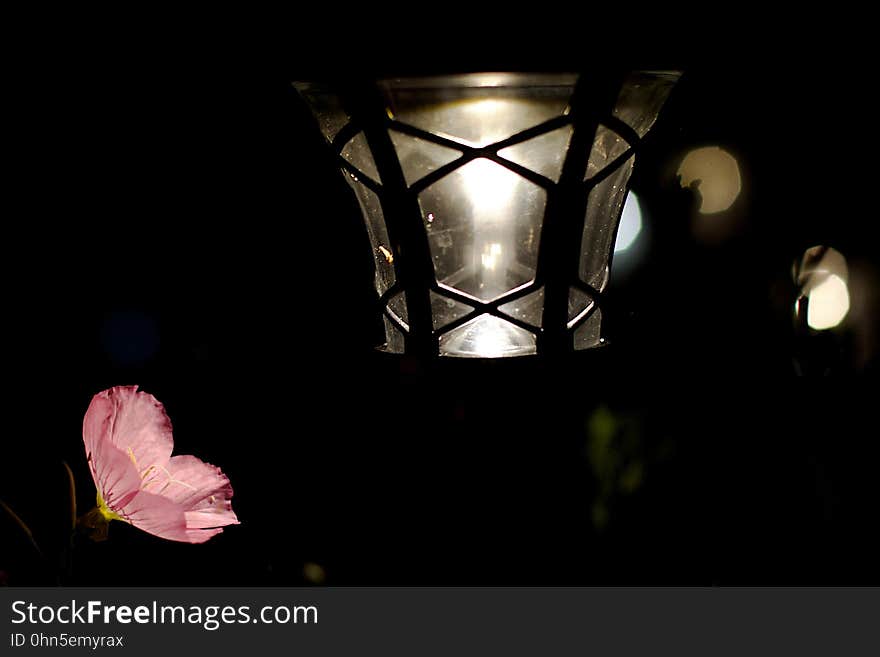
591 106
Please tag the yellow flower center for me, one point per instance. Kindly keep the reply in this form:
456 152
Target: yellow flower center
106 512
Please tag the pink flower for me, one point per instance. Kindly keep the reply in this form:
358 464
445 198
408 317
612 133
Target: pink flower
128 443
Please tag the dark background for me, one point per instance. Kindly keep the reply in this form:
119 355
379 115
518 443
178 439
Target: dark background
173 222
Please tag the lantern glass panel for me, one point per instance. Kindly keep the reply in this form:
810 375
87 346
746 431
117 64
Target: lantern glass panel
326 106
543 154
607 147
357 152
419 157
484 226
445 310
641 98
374 219
487 336
588 334
528 309
395 343
397 306
604 205
478 109
578 304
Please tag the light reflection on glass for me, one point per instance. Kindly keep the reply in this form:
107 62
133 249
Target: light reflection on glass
489 188
477 114
491 255
487 337
482 234
485 107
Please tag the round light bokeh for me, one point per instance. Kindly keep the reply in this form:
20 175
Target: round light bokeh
829 303
630 224
715 173
822 276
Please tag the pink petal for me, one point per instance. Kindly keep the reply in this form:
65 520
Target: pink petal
115 476
134 422
210 519
164 518
203 491
192 481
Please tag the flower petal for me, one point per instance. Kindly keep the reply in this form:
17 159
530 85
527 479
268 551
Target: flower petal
190 480
134 422
201 489
164 518
115 476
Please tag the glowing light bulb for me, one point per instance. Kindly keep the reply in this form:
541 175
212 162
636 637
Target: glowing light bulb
490 256
489 187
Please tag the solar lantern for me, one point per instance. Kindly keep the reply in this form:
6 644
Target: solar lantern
491 200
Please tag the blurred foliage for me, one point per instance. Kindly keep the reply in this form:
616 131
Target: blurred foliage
314 573
617 457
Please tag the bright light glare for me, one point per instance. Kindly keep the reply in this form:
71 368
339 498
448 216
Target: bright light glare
487 337
485 107
488 118
828 303
491 255
489 187
716 174
490 342
630 224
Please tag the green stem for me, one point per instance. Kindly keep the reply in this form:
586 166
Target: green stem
27 530
72 494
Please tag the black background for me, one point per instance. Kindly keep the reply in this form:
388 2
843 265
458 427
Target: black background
174 222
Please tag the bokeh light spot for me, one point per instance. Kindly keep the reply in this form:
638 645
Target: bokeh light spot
715 173
314 573
828 303
822 276
630 224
